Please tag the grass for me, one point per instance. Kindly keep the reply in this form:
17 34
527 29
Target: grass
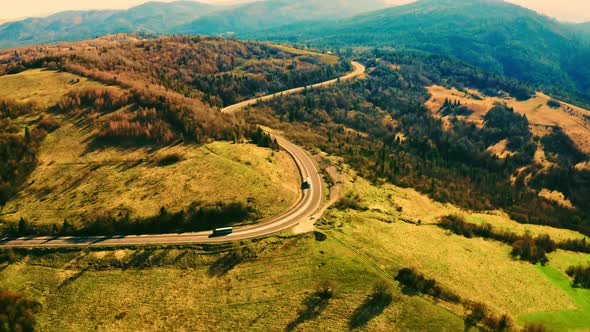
271 284
178 292
41 86
563 320
73 183
326 58
476 269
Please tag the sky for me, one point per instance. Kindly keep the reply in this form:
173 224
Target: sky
564 10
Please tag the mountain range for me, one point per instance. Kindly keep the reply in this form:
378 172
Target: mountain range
491 34
262 15
495 35
154 17
186 17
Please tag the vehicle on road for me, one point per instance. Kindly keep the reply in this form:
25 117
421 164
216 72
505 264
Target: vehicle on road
223 231
306 184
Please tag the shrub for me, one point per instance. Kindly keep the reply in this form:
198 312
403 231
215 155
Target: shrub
382 292
575 245
554 104
504 323
373 305
319 236
535 327
326 289
48 125
477 312
170 159
532 250
16 312
351 201
580 275
415 282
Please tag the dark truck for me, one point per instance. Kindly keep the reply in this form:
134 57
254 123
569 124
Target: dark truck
306 184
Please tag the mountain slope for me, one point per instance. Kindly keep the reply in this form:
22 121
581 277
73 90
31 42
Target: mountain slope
491 34
584 28
80 25
273 13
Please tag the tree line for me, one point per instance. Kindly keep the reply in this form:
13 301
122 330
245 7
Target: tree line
196 217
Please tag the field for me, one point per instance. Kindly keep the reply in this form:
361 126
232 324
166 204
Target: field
573 120
43 87
326 58
195 288
77 181
399 230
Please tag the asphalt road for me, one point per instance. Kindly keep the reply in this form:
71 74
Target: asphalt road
359 69
310 202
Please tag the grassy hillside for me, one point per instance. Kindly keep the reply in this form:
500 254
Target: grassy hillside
274 283
574 121
81 123
192 288
480 270
44 88
76 181
495 35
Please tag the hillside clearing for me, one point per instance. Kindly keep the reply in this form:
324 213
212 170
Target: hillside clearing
42 86
327 58
572 119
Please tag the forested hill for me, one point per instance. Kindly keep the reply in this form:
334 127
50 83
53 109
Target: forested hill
178 17
153 17
584 28
275 13
494 35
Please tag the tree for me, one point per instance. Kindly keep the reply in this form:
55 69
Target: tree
22 226
17 313
27 135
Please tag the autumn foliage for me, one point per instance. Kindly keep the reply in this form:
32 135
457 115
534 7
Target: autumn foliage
17 312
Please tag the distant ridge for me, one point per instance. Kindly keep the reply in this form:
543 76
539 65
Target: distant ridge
154 17
181 17
275 13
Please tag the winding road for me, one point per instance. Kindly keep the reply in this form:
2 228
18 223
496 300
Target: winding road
309 203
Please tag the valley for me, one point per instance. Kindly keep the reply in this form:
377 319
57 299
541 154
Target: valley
274 165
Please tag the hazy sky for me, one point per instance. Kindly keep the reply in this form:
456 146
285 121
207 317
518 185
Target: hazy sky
565 10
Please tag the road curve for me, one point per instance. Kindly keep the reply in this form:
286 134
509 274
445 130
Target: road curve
359 69
309 203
